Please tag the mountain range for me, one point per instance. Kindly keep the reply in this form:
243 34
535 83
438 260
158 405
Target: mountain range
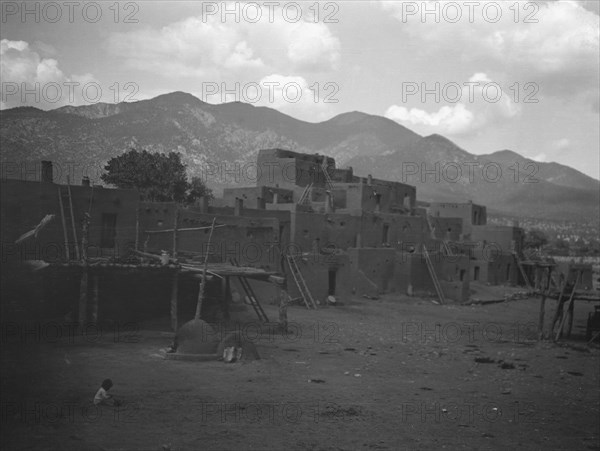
232 133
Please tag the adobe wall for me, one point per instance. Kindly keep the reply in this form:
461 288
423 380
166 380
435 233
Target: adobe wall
505 238
500 270
251 240
286 169
447 229
471 214
377 265
25 203
452 273
387 196
252 195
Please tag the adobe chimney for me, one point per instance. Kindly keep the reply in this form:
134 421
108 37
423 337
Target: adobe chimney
46 175
239 206
85 181
369 180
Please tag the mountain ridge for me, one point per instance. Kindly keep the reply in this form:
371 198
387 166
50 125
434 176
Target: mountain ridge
232 133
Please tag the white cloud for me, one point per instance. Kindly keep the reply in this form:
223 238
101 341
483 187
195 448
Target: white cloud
453 120
482 103
28 79
561 144
559 51
292 95
209 47
540 158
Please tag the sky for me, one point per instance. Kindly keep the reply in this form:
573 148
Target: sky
489 76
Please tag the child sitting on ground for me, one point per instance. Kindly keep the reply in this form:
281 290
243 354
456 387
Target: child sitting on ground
102 397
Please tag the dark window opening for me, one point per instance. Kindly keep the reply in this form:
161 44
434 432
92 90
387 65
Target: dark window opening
332 276
109 230
462 275
508 271
476 273
386 233
378 199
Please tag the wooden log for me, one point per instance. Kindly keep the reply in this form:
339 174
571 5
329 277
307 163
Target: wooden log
174 298
188 229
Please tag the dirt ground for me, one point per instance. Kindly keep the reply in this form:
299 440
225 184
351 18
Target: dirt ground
393 373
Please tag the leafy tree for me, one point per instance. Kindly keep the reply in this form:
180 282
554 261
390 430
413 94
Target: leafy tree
197 189
534 239
158 177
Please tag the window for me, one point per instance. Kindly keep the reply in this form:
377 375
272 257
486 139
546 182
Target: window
476 273
386 234
109 230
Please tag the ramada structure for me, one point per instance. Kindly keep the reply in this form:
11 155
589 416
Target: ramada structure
307 227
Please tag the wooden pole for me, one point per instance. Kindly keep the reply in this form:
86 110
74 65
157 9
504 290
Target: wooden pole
83 296
564 315
64 224
84 237
95 297
73 219
203 282
174 296
175 224
283 305
560 305
570 310
543 304
226 289
137 229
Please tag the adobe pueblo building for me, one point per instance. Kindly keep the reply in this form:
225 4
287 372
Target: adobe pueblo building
307 226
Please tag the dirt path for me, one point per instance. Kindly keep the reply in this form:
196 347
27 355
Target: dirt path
395 373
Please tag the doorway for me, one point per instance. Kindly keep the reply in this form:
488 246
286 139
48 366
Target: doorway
332 280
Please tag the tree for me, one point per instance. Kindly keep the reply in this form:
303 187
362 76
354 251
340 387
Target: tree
196 190
158 177
534 239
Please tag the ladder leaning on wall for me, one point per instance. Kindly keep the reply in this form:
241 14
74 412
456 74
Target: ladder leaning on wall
300 282
65 202
250 295
434 278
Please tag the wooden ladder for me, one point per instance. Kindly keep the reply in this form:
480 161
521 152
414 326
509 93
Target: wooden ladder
434 278
305 195
300 282
328 180
522 271
250 295
447 249
65 202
